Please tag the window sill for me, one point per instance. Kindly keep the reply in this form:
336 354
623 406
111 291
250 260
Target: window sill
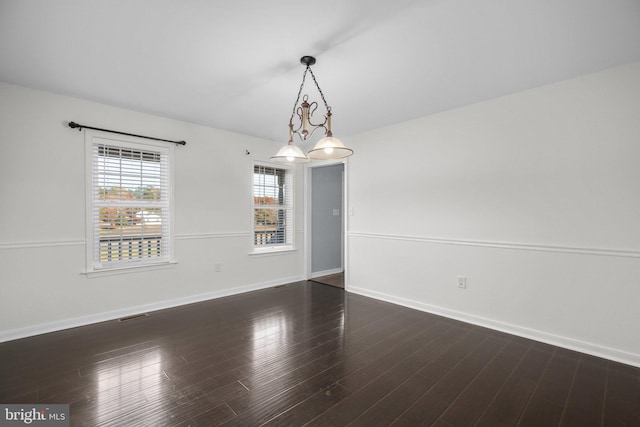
128 270
276 250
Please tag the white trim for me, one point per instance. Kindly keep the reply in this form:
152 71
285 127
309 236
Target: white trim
35 245
59 325
345 224
306 220
326 272
127 269
275 250
58 243
272 250
556 340
623 253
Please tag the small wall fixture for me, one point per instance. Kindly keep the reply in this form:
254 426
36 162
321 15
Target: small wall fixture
329 147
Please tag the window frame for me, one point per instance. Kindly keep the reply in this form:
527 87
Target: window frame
290 243
92 266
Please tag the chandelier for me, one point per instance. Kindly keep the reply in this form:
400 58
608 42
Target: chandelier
329 147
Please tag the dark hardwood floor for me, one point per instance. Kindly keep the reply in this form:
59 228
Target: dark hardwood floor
336 280
310 354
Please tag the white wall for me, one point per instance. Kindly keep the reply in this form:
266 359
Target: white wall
42 231
534 197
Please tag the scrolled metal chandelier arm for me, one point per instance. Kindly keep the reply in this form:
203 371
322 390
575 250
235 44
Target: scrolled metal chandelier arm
305 113
305 110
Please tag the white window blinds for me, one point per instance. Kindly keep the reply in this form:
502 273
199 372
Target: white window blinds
272 207
130 204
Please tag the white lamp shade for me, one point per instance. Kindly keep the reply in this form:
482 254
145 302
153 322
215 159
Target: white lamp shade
290 154
329 148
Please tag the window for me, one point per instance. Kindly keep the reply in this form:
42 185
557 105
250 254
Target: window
272 208
129 216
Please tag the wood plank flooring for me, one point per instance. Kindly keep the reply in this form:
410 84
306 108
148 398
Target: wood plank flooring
336 280
310 354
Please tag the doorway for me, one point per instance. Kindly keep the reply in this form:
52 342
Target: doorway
326 224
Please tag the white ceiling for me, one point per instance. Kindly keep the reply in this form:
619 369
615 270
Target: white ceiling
234 64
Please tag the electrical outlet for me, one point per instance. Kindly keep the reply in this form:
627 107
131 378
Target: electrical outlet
217 267
462 282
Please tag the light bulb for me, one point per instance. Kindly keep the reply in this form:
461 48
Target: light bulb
328 150
290 159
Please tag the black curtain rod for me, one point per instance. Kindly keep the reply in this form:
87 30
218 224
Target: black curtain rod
74 125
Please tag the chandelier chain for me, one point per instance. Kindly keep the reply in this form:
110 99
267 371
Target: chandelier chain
319 90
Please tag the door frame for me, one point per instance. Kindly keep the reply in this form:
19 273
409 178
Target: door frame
308 198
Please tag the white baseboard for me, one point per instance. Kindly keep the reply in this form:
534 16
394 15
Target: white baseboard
326 272
556 340
59 325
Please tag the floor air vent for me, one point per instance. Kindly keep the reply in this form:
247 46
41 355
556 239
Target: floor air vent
135 316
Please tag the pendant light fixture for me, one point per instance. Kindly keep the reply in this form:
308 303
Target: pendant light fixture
329 147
